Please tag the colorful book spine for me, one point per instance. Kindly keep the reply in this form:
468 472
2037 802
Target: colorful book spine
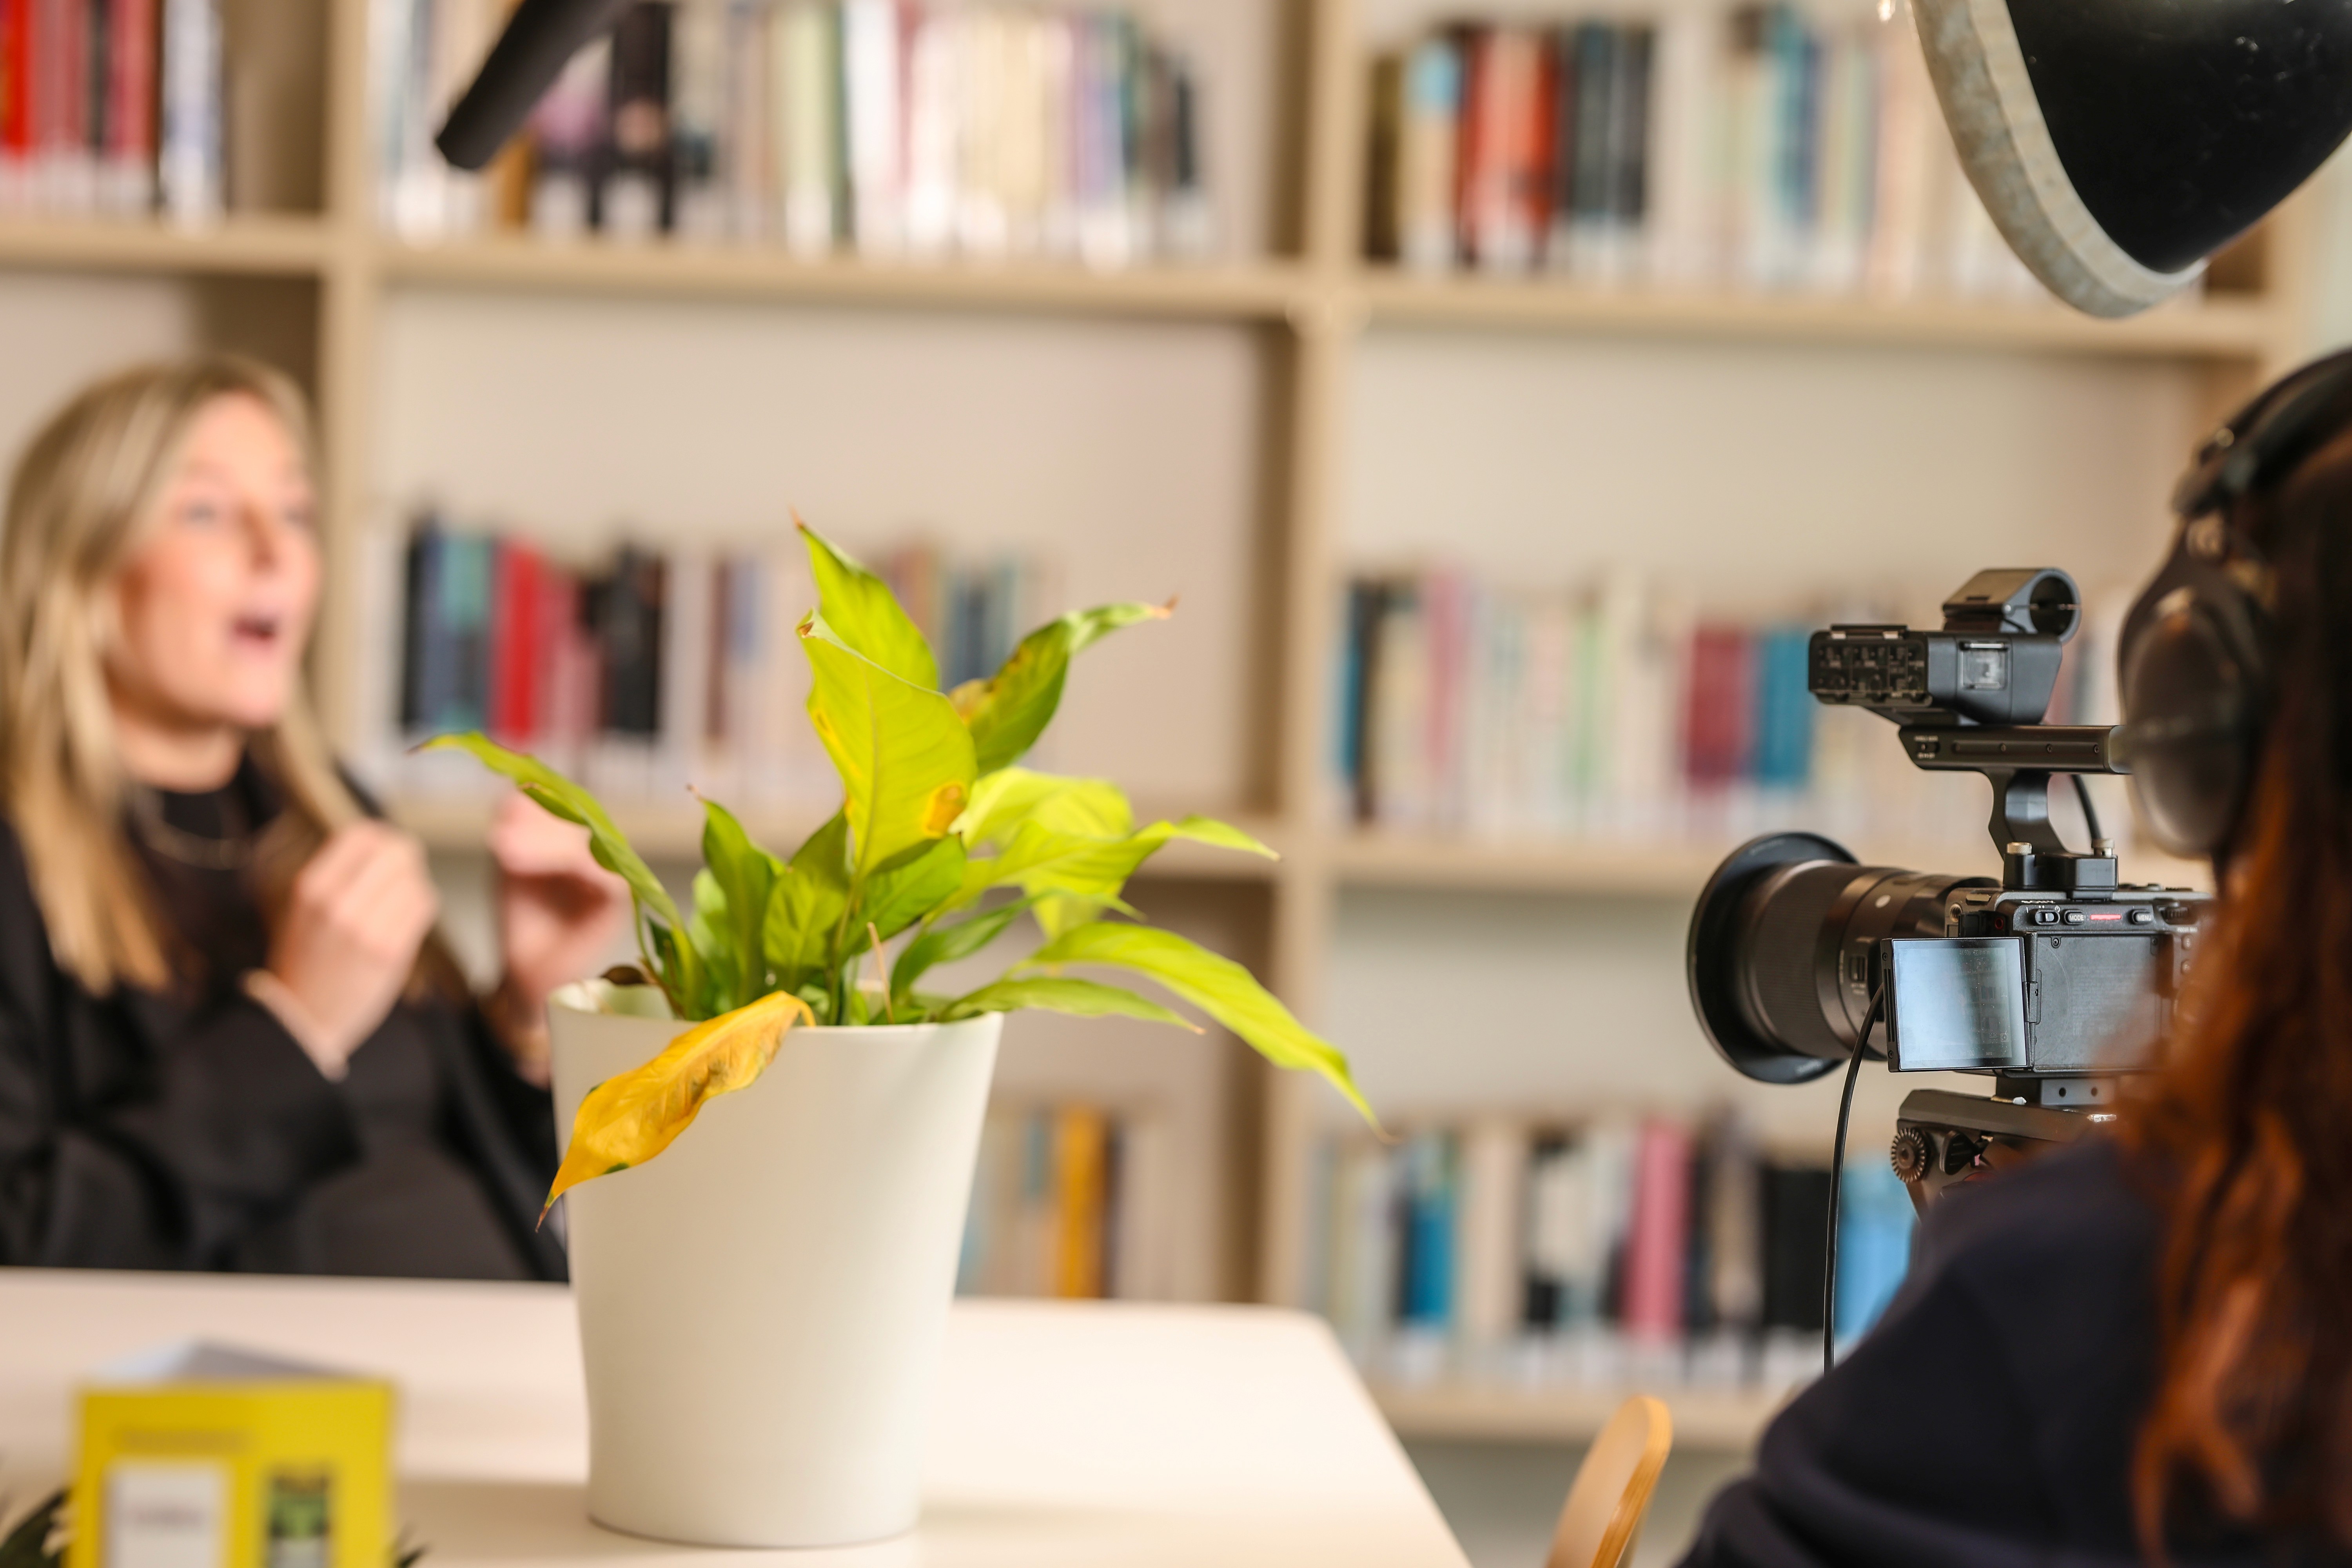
650 669
191 173
1065 1203
875 127
1615 709
1655 1249
124 96
1759 147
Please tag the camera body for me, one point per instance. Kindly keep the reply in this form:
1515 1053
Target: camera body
2038 986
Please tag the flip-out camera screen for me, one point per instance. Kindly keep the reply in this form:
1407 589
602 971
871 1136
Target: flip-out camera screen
1955 1002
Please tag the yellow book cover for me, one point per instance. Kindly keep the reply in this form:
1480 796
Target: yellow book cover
194 1456
1079 1161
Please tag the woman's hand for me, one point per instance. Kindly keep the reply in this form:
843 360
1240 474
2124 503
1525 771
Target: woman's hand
358 913
559 911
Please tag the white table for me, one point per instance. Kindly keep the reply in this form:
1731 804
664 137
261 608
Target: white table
1065 1433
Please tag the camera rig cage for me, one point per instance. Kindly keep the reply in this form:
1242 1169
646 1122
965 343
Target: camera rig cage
2053 980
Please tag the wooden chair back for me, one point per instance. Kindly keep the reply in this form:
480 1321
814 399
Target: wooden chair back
1602 1517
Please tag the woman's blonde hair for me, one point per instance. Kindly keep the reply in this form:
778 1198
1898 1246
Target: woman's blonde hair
86 494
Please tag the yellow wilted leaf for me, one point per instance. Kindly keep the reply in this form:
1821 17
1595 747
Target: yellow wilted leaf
628 1120
947 805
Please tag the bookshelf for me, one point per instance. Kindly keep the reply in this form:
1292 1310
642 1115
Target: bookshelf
1292 326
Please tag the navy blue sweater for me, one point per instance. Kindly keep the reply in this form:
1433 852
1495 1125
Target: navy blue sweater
1988 1420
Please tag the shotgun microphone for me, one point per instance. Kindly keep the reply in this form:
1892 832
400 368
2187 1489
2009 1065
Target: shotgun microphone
2118 143
540 38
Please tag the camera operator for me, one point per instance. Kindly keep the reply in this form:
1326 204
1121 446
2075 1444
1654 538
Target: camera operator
2139 1349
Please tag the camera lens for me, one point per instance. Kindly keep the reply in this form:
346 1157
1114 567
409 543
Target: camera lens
1783 944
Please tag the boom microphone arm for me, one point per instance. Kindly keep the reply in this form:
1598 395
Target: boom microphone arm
540 38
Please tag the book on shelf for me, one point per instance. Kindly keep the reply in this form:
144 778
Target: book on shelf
110 107
645 669
1622 709
1647 1249
1759 147
1067 1202
878 128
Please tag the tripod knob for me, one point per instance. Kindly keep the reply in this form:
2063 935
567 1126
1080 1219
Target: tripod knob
1910 1155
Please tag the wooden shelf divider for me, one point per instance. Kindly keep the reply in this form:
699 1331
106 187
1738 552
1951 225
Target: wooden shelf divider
268 244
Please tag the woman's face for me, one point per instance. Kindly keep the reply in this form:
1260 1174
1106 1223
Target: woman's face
214 606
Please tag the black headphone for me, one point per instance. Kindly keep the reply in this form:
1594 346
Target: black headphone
2195 656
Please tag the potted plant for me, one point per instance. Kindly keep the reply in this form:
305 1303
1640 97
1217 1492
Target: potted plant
761 1309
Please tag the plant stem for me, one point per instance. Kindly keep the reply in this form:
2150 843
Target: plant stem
888 1011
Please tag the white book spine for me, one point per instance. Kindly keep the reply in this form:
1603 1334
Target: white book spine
684 670
873 68
751 155
933 157
191 129
981 228
807 123
1494 1177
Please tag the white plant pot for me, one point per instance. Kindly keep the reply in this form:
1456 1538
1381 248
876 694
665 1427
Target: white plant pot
761 1307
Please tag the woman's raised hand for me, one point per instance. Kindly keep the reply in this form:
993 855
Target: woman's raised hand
344 951
559 912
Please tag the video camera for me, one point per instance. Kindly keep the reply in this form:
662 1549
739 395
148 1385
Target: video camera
2053 980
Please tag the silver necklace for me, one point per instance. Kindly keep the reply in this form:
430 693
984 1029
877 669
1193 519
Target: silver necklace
231 854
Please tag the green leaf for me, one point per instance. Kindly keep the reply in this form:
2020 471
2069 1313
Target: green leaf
911 887
946 943
865 616
806 906
1010 709
746 875
1089 872
904 757
1218 986
28 1545
707 928
1002 801
567 800
1084 998
677 963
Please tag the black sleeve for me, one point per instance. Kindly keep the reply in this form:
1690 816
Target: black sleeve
164 1163
1989 1418
1914 1451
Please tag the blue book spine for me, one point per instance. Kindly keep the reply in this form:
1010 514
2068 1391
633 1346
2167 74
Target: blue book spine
422 681
1347 724
1874 1225
1429 1280
1784 709
465 593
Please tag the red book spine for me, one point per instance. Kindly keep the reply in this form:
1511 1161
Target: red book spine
1542 125
130 82
16 81
1718 719
69 127
514 610
1474 155
1657 1241
553 611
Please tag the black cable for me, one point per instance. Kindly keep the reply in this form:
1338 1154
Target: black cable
2090 812
1837 1179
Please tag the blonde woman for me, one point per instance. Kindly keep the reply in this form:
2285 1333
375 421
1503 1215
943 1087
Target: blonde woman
229 1037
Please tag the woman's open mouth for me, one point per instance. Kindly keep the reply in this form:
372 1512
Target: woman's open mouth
256 633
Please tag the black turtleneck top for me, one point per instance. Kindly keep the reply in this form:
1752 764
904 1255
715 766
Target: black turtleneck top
189 1130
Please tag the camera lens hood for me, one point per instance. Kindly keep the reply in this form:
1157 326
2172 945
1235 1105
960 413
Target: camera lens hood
1714 958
